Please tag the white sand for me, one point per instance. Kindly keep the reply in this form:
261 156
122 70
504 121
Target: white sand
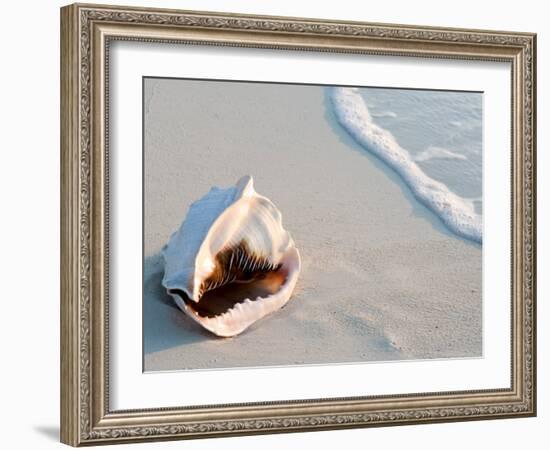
382 278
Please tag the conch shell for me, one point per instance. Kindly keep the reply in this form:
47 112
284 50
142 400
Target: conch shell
231 262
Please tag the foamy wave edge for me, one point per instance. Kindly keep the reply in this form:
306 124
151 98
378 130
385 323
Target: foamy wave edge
456 213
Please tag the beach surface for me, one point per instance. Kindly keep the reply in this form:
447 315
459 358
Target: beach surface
382 278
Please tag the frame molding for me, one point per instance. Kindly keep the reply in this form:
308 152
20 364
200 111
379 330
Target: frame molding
86 31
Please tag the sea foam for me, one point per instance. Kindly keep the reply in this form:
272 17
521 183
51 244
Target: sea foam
433 152
457 214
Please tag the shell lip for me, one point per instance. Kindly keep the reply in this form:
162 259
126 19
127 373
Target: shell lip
232 315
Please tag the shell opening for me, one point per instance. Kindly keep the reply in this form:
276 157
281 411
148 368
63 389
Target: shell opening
238 275
221 300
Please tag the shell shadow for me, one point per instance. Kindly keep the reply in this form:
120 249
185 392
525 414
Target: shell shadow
164 325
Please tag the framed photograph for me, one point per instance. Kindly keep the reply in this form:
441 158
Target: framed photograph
276 224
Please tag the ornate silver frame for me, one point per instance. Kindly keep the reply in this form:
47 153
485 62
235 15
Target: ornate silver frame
86 31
